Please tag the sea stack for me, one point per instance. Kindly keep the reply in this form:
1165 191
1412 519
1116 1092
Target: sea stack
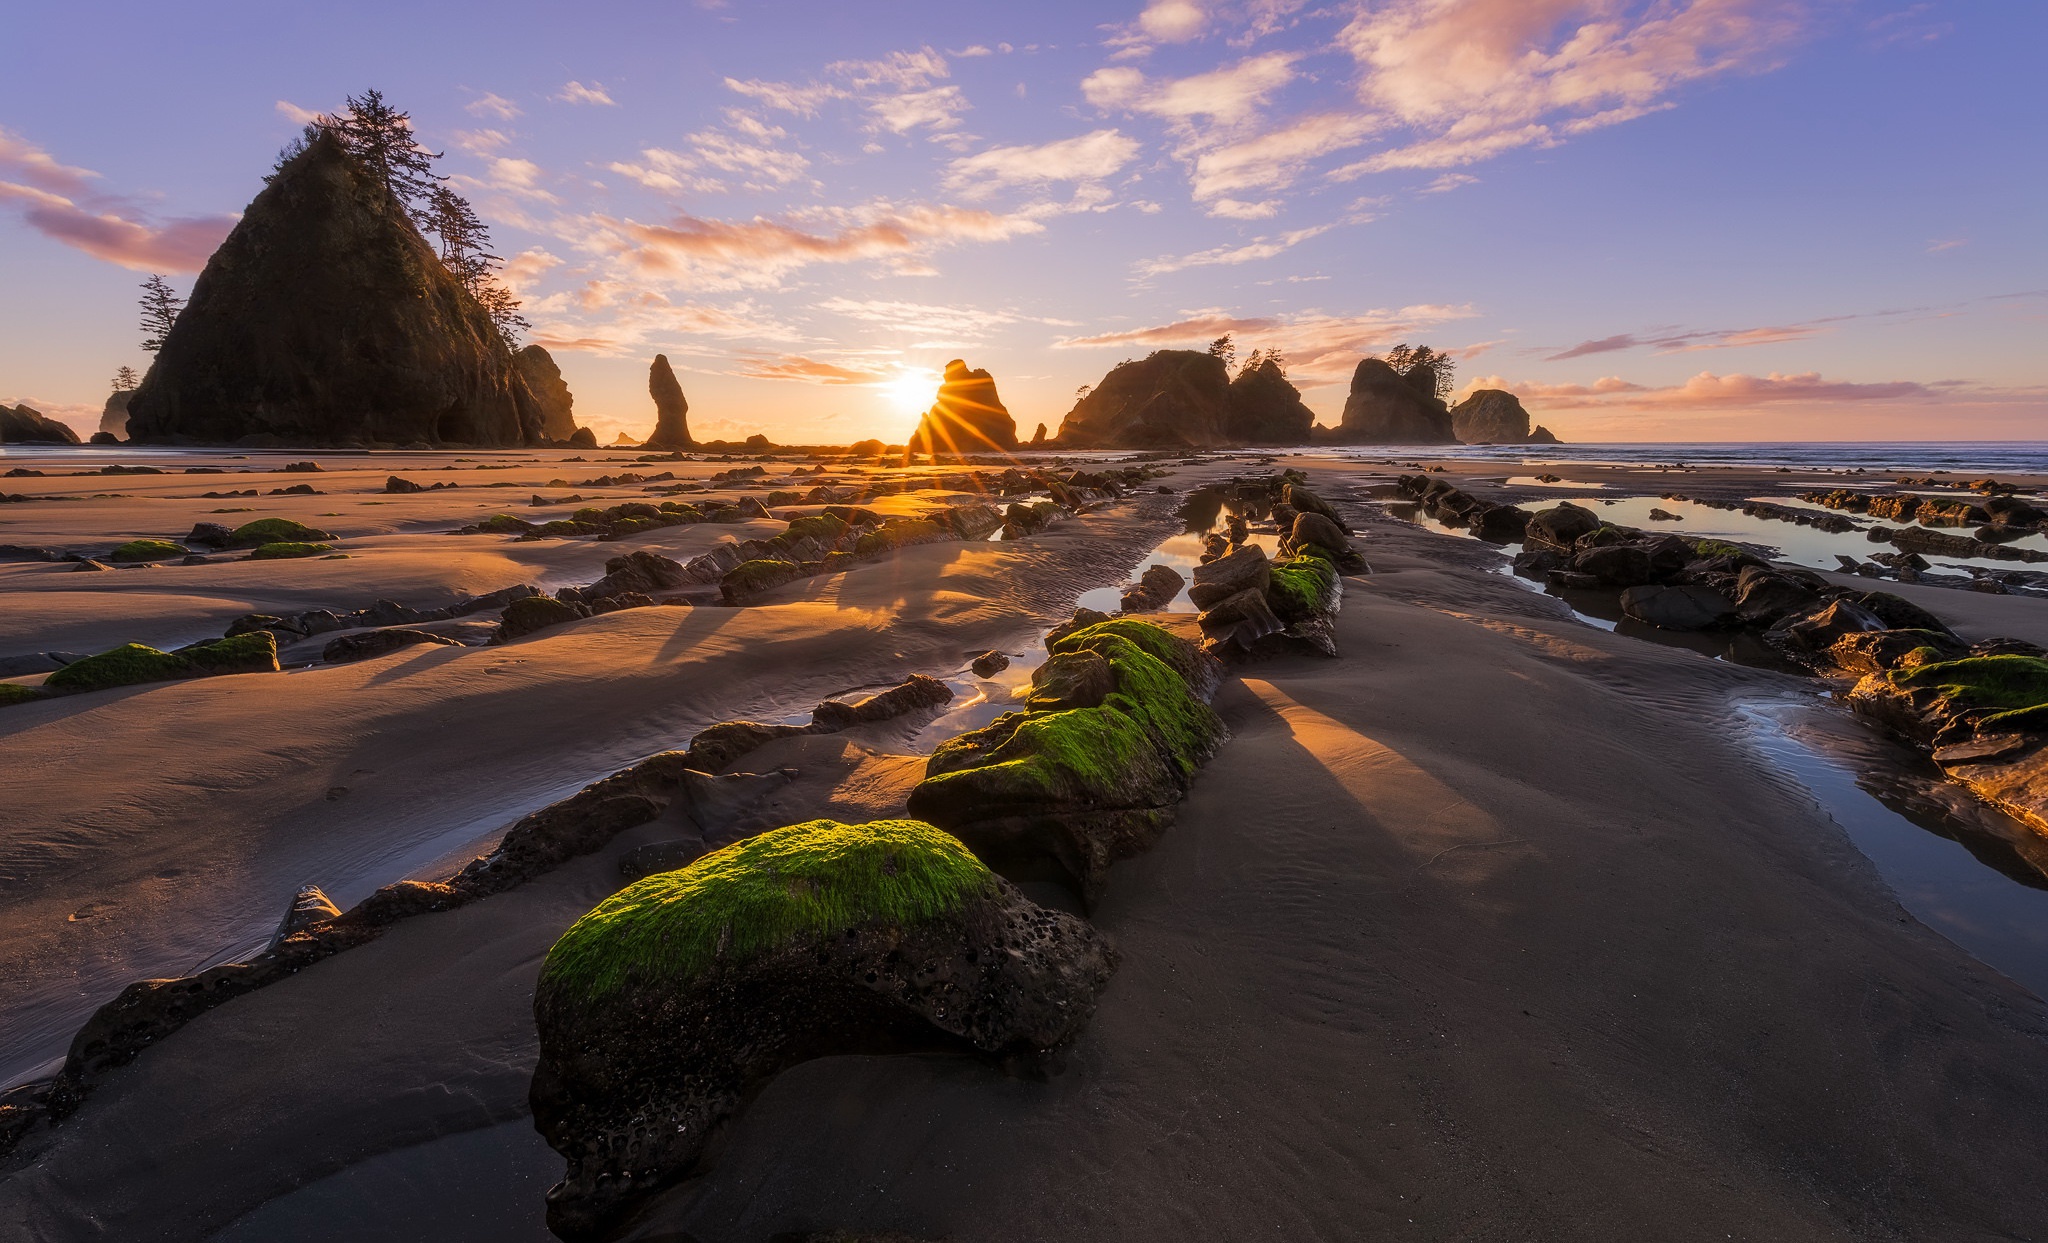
544 380
1493 416
1266 408
1388 408
26 423
967 417
325 319
671 410
114 417
1169 399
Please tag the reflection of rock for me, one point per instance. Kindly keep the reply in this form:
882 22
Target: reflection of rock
1678 608
1388 408
671 411
1492 416
666 1008
1170 399
325 319
967 417
114 418
550 392
26 423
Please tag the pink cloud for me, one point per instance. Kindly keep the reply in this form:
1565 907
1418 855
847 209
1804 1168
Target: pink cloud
57 201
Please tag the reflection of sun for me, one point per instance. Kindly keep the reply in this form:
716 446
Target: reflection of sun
911 389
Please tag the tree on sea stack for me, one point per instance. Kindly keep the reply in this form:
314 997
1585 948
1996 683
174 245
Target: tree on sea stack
125 379
160 307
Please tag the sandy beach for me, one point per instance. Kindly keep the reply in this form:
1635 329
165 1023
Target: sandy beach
1495 927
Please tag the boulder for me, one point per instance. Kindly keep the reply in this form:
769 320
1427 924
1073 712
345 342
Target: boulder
1071 680
326 319
1266 408
1169 399
1154 590
550 392
671 410
23 424
536 613
308 906
1241 620
989 664
1315 531
1559 528
918 693
1243 568
1763 595
670 1005
1688 607
1304 501
1618 565
1385 408
369 644
966 417
752 578
1821 625
1873 650
1492 416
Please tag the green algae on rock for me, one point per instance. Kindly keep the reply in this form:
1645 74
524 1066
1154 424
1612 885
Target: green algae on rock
147 550
127 665
667 1007
275 531
254 652
12 693
287 550
751 578
1303 587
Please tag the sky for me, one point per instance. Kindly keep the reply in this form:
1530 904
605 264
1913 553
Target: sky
1650 219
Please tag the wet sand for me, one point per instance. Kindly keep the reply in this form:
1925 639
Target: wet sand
1494 928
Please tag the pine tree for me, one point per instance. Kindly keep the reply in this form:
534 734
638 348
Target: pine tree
503 309
1224 348
1405 359
380 138
160 307
126 379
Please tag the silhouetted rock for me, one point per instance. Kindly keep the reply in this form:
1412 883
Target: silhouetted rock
967 417
1387 408
583 439
671 410
1544 436
1169 399
1038 437
1492 416
550 392
25 423
1266 409
325 319
114 418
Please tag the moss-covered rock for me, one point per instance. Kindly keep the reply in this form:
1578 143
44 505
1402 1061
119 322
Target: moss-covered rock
1303 588
823 528
750 578
127 665
137 550
254 652
1997 692
12 693
665 1008
275 531
899 533
534 613
1079 788
286 550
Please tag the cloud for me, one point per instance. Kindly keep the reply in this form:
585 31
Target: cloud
1686 342
295 114
1173 21
809 370
622 319
59 201
938 108
758 253
577 93
522 271
1276 158
897 92
1234 209
1319 349
1257 248
1228 96
1089 157
497 107
1449 182
1936 247
1708 391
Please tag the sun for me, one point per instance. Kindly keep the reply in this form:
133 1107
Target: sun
911 389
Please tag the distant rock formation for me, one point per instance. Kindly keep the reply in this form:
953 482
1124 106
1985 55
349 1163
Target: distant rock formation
625 441
967 417
26 423
1266 409
1038 437
550 392
1544 436
1388 408
114 418
1169 399
671 410
325 319
1492 416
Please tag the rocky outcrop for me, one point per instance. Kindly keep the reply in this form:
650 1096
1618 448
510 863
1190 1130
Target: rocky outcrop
1170 399
22 424
671 410
325 319
1388 408
1493 416
1266 408
550 392
666 1008
114 417
967 417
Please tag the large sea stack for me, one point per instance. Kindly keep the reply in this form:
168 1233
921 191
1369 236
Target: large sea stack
671 409
1169 399
114 417
1266 408
550 392
1493 416
967 417
325 319
1388 408
26 423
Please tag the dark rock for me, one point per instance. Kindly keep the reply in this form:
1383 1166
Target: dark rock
1620 565
1266 408
1169 399
1818 628
1763 595
1900 613
399 487
1678 608
1560 527
550 393
1154 590
373 643
308 906
1537 563
583 438
660 1019
1500 524
657 857
114 418
1072 680
1304 501
966 417
753 578
1081 620
671 410
917 693
1491 416
537 613
715 749
326 319
1384 408
1872 650
25 424
1316 531
641 571
1241 620
1986 749
1243 568
989 664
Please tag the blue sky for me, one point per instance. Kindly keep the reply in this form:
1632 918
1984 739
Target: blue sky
1680 219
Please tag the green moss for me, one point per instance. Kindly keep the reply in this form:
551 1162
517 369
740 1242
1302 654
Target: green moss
288 549
897 533
760 574
1718 548
823 528
804 882
1298 588
2006 689
1178 654
565 527
505 524
588 513
147 550
275 531
255 652
127 665
12 693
